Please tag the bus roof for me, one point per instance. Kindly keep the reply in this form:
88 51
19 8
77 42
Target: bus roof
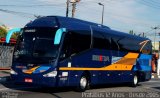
77 24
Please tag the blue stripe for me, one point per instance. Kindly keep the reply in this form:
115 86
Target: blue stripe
145 56
143 63
42 68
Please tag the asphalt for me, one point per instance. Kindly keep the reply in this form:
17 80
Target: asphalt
150 89
10 90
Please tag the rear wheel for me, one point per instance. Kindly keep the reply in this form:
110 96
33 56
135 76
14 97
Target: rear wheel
134 81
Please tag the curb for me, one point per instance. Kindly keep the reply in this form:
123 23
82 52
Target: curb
155 77
4 68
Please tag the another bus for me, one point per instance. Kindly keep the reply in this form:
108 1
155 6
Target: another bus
58 51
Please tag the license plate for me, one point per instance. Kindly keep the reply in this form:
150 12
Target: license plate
28 80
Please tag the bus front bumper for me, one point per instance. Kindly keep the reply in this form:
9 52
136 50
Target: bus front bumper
34 80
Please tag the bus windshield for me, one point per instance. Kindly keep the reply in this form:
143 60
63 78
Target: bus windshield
36 47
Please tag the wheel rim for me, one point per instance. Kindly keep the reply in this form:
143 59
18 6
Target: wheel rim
83 82
135 80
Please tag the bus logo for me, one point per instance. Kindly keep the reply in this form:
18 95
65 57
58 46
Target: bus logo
30 30
100 58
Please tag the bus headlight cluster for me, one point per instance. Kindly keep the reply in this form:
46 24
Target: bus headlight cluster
13 72
51 74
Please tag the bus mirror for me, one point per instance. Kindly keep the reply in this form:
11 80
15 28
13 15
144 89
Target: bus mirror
58 35
10 32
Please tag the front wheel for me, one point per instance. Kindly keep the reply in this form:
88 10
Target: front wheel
83 84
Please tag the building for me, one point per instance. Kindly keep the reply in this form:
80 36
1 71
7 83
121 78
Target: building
156 46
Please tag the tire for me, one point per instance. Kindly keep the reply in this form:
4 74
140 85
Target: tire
83 83
135 80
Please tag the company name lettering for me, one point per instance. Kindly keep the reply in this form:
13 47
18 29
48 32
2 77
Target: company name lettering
100 58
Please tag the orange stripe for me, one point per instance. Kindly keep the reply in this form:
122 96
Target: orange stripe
125 63
30 71
144 44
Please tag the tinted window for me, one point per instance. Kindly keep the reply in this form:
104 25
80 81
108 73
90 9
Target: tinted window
114 41
37 46
101 41
66 48
127 44
147 47
80 41
75 42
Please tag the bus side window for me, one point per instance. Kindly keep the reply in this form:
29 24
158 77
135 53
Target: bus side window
75 42
100 42
147 48
128 44
80 42
66 48
115 44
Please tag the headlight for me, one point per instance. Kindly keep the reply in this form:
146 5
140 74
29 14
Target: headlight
51 74
13 72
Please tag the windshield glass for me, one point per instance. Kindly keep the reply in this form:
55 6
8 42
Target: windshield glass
36 46
44 48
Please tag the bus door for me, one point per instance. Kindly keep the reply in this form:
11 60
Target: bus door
65 60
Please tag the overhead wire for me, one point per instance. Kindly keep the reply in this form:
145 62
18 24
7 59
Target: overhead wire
40 5
57 5
149 4
29 15
115 15
119 15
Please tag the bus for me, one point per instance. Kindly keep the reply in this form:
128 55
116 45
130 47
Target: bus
56 51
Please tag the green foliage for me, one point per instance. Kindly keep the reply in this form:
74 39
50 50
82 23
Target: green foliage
15 35
3 32
131 32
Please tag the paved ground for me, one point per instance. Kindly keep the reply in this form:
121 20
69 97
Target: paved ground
150 89
4 75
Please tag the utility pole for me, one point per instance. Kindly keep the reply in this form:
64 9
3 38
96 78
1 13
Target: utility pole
74 2
67 9
73 9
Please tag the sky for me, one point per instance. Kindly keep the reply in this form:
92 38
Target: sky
121 15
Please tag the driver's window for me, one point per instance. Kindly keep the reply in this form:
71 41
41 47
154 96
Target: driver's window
66 48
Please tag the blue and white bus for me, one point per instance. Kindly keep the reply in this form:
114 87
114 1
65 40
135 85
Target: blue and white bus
58 51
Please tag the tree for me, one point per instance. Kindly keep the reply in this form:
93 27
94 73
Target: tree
15 35
3 31
131 32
